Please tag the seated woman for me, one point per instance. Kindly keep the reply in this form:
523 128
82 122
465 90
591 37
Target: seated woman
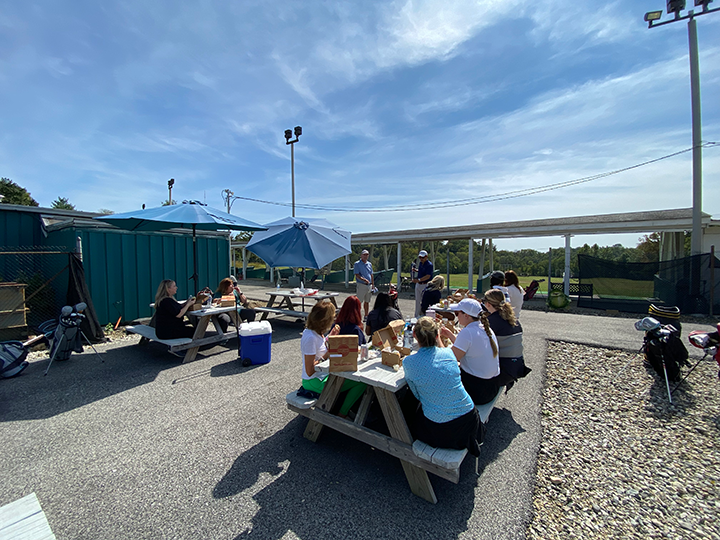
447 417
350 319
169 312
432 293
476 350
381 314
227 287
516 292
508 332
314 350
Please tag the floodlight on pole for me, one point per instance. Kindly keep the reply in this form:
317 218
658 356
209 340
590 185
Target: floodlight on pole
288 137
675 7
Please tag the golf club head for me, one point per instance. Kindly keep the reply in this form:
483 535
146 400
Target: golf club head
647 324
66 310
82 306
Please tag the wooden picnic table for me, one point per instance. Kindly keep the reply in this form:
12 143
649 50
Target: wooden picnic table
206 315
191 346
285 305
383 383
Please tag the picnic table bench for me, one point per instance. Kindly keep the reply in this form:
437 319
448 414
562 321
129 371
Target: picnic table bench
24 519
191 345
383 382
285 305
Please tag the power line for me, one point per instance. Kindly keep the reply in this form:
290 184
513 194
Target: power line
478 200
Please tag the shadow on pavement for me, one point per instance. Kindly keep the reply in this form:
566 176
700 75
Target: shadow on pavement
501 430
84 378
340 487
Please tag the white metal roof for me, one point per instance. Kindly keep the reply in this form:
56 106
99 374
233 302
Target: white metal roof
629 222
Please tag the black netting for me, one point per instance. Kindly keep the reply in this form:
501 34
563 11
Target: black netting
35 283
690 283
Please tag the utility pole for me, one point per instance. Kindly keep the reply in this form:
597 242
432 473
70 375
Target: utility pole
228 195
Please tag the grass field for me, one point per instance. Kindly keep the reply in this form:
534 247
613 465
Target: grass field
461 281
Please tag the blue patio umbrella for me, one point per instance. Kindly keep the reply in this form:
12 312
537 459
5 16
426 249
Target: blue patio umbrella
188 215
300 243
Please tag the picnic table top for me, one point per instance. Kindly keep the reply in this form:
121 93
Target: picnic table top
292 294
372 372
213 310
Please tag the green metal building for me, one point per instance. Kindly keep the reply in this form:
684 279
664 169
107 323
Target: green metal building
122 268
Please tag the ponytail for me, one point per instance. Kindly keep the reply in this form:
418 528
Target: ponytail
507 313
486 325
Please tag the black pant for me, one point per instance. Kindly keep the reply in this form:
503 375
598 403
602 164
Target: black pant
481 391
462 432
224 319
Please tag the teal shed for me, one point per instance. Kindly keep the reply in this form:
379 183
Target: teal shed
122 268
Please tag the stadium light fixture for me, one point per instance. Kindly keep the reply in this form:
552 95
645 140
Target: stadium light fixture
288 137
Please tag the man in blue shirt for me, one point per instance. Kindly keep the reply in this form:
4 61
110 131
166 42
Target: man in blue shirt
364 280
424 275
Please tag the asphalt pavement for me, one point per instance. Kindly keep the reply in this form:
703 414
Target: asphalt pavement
133 444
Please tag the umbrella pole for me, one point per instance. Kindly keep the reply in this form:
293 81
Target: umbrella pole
195 277
237 323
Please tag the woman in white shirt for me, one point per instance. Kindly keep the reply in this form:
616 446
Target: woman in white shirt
516 292
476 350
314 350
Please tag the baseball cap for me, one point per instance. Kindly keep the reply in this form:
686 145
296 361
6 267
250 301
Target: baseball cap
233 279
468 306
497 274
422 253
365 252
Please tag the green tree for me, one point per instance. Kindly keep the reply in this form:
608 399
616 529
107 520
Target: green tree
61 203
105 211
168 202
14 194
648 247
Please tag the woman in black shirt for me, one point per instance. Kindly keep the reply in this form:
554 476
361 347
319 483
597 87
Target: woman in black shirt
381 315
169 322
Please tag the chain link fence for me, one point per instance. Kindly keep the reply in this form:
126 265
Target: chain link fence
33 288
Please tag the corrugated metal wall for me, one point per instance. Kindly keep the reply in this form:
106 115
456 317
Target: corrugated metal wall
20 229
123 268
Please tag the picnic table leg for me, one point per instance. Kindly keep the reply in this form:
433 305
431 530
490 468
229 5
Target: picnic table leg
365 403
417 478
199 333
325 402
269 305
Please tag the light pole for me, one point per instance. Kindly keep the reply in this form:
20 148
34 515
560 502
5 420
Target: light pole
171 182
288 136
674 7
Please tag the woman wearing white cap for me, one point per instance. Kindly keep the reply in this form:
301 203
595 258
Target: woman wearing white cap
476 350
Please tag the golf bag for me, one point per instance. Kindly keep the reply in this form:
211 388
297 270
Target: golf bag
68 337
662 345
532 289
708 341
12 359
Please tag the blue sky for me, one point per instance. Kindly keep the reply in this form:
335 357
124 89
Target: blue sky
400 103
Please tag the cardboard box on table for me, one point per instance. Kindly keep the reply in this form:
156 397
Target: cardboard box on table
391 358
385 337
343 352
227 300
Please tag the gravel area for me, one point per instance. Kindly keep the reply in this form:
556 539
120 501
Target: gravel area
616 459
